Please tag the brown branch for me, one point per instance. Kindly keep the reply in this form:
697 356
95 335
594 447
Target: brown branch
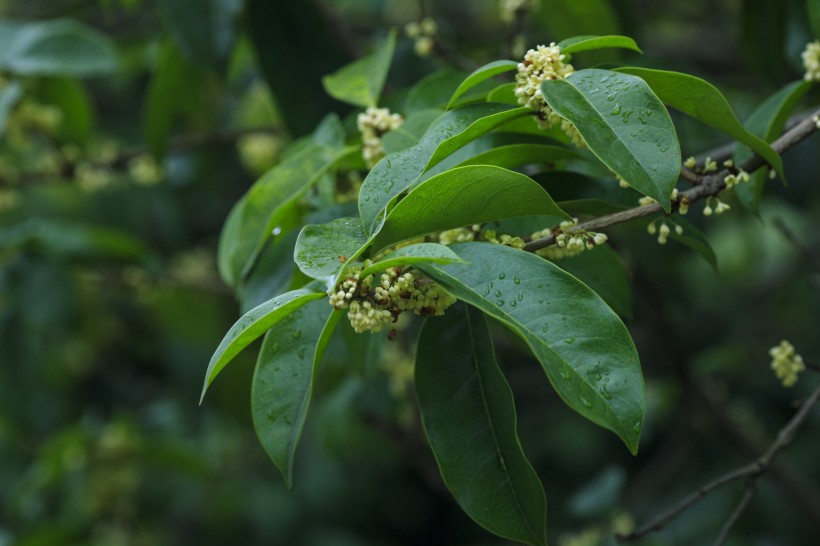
712 185
741 507
751 471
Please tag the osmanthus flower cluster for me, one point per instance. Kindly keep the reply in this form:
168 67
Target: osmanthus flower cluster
811 61
377 300
786 363
568 244
509 8
423 34
541 64
373 123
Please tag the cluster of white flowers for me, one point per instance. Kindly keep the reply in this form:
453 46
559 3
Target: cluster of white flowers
811 61
509 8
709 164
541 64
733 179
786 363
458 235
372 304
663 231
568 244
373 123
505 240
424 33
720 206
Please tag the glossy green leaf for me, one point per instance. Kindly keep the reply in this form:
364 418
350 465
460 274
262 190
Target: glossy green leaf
322 250
398 172
503 93
360 83
59 47
468 413
603 271
581 343
204 34
586 43
516 155
411 131
701 100
480 127
479 75
412 254
436 89
284 379
624 124
767 121
266 207
464 196
252 325
9 96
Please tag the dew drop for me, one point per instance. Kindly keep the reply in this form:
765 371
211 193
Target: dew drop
276 231
296 334
636 427
569 340
586 402
565 374
616 110
500 303
545 328
301 353
605 393
498 293
516 280
513 303
520 296
502 275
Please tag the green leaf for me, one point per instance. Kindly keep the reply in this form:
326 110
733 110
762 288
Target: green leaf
573 18
284 379
516 155
77 115
625 126
412 254
586 43
9 97
268 206
360 83
55 48
322 250
479 75
469 417
603 270
411 131
464 196
252 325
399 172
166 91
580 342
434 91
701 100
767 121
203 30
503 93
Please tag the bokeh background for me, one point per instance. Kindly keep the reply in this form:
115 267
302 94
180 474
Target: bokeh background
113 191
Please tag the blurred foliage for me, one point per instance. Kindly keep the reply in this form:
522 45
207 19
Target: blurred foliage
131 127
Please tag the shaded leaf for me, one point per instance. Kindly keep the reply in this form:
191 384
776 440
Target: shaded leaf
59 47
479 75
204 30
516 155
767 121
252 325
580 342
398 172
469 417
464 196
586 43
360 83
701 100
625 126
284 378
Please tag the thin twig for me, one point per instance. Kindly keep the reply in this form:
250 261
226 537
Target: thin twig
741 507
711 185
751 471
